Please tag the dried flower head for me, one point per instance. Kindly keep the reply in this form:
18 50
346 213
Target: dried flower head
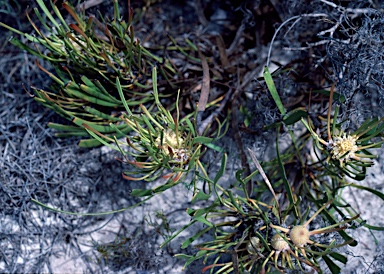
280 246
299 235
278 243
254 245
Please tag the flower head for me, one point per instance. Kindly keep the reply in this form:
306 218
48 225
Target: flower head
170 138
173 145
344 147
279 244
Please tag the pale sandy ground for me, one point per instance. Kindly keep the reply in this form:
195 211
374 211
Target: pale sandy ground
367 257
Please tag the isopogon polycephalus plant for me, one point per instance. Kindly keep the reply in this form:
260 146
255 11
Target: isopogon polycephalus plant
344 150
298 237
260 232
281 245
102 85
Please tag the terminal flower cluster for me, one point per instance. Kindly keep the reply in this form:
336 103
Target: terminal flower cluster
344 147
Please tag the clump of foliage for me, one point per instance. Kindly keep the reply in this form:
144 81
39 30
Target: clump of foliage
260 235
106 83
88 56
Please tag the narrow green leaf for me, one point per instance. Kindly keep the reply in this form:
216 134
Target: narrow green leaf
336 96
99 127
119 89
372 227
142 192
177 233
190 240
294 116
364 126
372 134
272 89
203 220
120 132
287 185
201 211
190 211
103 115
47 13
200 195
78 94
331 265
191 127
193 46
215 147
41 19
149 116
58 14
88 214
101 140
202 140
164 187
221 171
263 240
199 255
234 202
71 134
342 233
274 272
183 256
95 92
89 143
154 84
334 120
65 127
339 257
182 51
102 89
13 30
376 192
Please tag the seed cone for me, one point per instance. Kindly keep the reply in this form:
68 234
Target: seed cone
278 243
299 235
254 245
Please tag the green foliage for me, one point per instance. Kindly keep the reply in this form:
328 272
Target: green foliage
160 143
245 226
88 55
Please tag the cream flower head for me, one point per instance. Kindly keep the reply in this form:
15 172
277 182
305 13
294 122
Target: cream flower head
171 139
344 147
173 145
